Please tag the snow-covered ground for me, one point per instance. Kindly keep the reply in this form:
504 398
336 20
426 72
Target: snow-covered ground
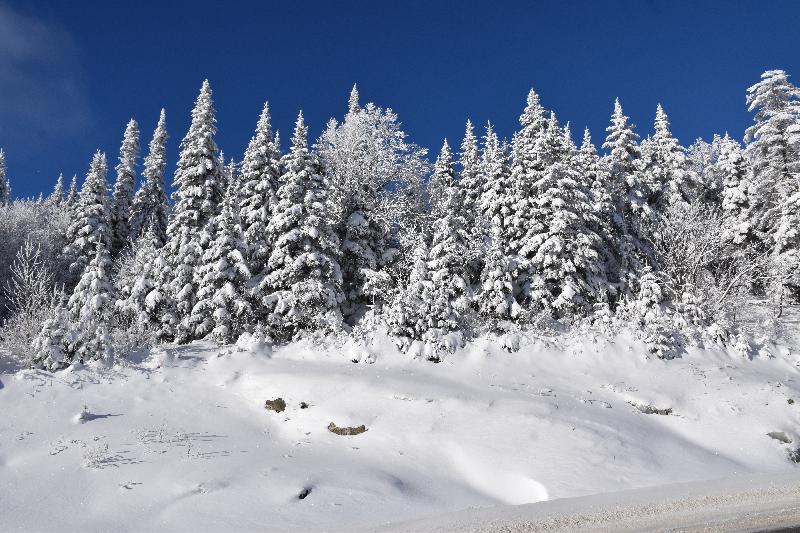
181 439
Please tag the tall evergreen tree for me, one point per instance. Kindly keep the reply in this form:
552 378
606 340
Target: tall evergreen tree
663 167
442 179
732 167
498 201
123 188
222 308
140 299
261 170
150 203
563 254
5 186
90 224
470 174
72 195
631 194
304 283
353 106
57 196
197 197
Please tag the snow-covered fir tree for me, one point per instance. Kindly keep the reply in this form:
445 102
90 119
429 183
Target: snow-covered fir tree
469 174
649 314
733 170
223 308
54 347
123 188
72 195
442 179
197 198
663 167
90 225
566 273
150 201
261 170
409 319
140 299
57 196
774 151
90 307
304 280
630 192
497 198
5 186
452 293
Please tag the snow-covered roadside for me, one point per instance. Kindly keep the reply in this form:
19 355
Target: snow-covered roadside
182 441
747 502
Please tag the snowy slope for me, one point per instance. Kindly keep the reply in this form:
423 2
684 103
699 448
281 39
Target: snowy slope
181 439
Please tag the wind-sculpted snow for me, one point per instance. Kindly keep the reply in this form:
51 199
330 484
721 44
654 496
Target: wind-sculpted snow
181 439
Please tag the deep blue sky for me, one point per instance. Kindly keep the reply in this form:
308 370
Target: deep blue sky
73 73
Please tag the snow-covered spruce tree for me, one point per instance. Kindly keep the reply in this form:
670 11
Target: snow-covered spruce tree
409 318
197 198
54 347
650 315
90 225
630 192
566 273
497 199
72 195
57 196
732 167
774 150
496 301
150 202
470 180
304 280
375 176
5 186
90 307
123 188
452 293
140 299
526 168
442 179
601 218
223 308
261 170
663 167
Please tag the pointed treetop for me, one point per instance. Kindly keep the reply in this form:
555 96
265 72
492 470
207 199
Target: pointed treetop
661 123
300 135
353 106
534 112
264 124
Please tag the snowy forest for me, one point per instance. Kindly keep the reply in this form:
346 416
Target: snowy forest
546 233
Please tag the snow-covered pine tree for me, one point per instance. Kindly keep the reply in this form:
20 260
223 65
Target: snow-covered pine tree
223 308
90 224
452 293
150 202
261 170
139 297
596 179
773 146
497 199
197 197
650 315
72 195
123 188
353 105
496 301
304 280
5 186
57 196
663 167
526 168
566 271
733 169
442 179
409 318
89 308
470 178
629 191
54 346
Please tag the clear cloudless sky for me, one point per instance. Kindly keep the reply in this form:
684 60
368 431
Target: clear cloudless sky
73 73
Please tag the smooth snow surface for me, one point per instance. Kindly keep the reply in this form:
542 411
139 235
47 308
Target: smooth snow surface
181 440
